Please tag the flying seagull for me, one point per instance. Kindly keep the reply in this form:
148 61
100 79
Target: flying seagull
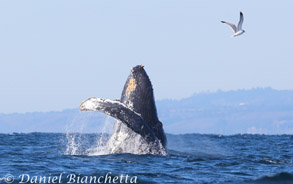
237 30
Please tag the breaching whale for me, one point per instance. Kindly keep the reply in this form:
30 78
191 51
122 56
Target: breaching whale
137 128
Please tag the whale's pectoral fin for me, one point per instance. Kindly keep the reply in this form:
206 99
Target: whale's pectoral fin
121 112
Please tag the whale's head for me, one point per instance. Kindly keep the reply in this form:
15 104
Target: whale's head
138 90
138 74
135 81
138 95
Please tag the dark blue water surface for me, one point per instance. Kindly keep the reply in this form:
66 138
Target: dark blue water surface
192 158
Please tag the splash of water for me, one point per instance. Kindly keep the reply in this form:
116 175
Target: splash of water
115 137
125 140
74 134
78 143
100 147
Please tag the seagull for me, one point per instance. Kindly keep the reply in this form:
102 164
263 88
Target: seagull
237 30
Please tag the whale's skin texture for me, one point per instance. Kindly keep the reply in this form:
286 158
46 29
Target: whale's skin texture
136 116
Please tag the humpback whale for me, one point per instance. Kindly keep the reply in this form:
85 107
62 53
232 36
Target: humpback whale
137 128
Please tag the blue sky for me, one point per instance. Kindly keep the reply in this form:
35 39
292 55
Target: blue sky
54 54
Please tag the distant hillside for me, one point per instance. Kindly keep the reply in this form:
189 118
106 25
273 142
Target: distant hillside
51 121
260 110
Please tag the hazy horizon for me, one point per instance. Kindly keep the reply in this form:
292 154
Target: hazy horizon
178 99
256 111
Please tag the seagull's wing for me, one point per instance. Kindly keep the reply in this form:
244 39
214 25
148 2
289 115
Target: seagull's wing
232 26
239 27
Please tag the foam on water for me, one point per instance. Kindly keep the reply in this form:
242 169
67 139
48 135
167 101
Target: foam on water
114 137
124 140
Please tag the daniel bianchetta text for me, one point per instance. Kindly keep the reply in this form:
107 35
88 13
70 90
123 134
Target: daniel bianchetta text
78 178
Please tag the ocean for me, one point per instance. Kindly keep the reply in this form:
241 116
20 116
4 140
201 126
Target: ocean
192 158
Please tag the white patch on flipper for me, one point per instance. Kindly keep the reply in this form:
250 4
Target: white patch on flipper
123 139
93 103
130 104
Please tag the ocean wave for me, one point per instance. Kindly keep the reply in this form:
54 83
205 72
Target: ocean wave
280 178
